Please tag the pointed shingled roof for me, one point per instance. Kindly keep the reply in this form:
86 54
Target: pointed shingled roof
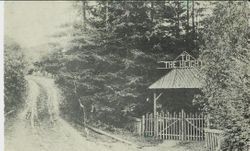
179 78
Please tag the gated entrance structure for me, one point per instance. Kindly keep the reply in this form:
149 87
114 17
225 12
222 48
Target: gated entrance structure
174 126
183 75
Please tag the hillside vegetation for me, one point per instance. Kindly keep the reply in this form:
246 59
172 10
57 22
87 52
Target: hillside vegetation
14 75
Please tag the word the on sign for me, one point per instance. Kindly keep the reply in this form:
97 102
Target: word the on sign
184 60
181 64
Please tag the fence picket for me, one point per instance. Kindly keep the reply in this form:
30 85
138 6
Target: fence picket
199 132
149 125
170 129
160 123
162 134
196 129
163 125
174 127
166 125
209 144
148 130
156 125
184 125
146 124
179 121
190 126
212 140
193 127
152 124
163 122
177 128
188 134
202 126
169 122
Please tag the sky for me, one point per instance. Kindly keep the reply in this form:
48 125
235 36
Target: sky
31 22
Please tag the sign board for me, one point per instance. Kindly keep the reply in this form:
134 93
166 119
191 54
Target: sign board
184 60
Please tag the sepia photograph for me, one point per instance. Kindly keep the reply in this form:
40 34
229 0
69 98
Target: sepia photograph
126 75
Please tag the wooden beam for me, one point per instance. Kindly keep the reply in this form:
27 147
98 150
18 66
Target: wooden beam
155 114
155 103
158 96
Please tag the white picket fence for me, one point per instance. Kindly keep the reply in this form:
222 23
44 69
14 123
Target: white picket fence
174 126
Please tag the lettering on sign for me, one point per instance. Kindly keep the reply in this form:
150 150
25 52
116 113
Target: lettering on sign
184 60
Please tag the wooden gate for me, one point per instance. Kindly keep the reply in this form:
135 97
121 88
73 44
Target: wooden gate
174 126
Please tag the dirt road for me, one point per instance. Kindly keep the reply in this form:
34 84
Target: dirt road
40 128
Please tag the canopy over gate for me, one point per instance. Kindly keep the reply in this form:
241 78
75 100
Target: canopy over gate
179 78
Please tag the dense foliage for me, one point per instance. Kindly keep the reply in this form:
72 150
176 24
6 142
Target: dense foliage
226 68
14 72
109 61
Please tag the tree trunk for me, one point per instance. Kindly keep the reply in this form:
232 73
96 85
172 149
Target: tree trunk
187 16
152 11
187 28
193 25
84 14
106 14
178 19
126 9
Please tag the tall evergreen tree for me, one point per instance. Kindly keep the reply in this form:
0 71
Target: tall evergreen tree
226 60
112 62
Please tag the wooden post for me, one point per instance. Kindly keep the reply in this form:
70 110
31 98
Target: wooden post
143 125
155 104
155 115
208 121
